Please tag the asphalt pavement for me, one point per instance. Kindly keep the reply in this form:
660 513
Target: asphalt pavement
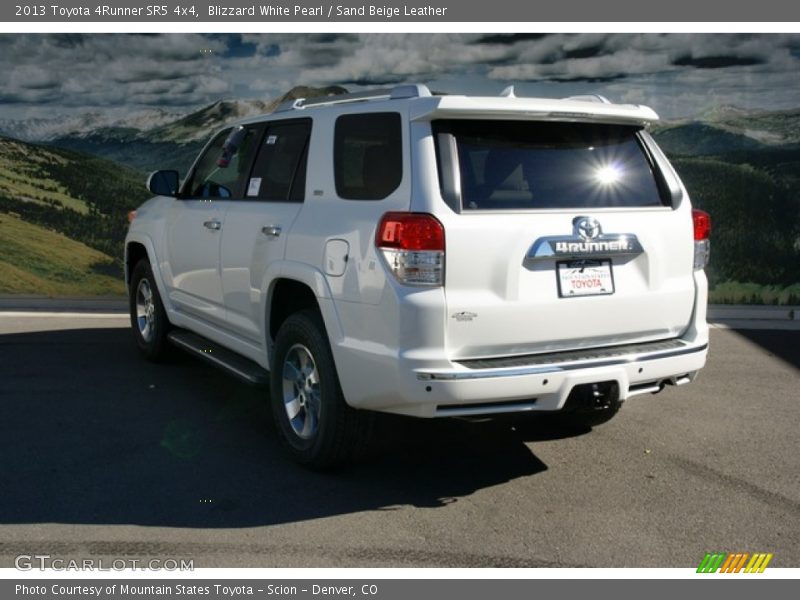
104 455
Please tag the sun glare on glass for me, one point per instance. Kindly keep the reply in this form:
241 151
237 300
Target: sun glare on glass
608 175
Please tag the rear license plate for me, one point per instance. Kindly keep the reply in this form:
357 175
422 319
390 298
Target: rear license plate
585 278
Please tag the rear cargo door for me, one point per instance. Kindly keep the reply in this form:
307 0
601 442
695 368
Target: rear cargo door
563 236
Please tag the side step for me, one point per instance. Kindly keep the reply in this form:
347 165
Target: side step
236 365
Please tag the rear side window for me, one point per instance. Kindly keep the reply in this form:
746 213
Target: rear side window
539 165
367 156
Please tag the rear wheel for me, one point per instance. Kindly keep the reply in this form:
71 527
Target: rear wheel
313 420
148 318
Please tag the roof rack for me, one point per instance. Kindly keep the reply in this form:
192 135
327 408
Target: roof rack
590 98
416 90
508 92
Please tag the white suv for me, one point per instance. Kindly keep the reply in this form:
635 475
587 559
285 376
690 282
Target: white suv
426 255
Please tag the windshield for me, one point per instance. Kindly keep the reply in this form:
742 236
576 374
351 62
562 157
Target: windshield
538 165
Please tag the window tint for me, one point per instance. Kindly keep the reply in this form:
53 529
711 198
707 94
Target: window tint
367 157
221 171
280 168
531 165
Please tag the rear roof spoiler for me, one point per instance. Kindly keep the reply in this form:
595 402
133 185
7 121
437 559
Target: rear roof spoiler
424 105
577 109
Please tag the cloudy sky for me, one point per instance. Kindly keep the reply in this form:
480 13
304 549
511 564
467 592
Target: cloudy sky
677 74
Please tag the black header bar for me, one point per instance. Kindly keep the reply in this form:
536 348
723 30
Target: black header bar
407 11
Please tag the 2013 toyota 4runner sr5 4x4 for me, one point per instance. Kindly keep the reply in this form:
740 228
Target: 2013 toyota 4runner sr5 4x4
426 255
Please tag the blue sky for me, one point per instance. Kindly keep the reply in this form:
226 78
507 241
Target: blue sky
679 75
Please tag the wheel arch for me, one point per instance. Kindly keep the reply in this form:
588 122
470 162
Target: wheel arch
299 287
137 247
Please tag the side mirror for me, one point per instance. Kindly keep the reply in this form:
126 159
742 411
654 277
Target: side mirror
163 183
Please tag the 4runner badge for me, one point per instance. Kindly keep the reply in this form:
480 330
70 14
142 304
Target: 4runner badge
587 240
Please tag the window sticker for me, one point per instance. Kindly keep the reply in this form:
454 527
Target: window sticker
254 186
272 139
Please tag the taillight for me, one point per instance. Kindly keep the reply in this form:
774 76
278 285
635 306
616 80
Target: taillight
702 230
702 224
131 216
413 246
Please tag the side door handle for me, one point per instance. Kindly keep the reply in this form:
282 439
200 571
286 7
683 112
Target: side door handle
271 231
214 225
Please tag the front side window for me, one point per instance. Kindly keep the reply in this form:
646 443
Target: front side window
367 156
223 167
279 172
507 165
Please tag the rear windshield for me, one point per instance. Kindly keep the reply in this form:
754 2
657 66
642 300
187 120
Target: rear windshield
535 165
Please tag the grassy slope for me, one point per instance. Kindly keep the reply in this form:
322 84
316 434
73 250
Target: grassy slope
754 220
734 292
34 260
23 176
44 190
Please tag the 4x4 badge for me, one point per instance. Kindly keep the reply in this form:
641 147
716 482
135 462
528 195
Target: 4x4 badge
464 316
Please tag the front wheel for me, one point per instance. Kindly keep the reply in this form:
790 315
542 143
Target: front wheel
148 318
313 420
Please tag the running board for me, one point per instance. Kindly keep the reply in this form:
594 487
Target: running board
225 359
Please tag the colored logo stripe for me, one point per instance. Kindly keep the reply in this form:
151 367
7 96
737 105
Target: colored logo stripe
711 562
758 563
734 562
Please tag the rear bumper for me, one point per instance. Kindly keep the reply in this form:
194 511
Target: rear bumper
544 385
538 382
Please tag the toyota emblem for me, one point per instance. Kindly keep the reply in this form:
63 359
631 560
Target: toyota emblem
587 227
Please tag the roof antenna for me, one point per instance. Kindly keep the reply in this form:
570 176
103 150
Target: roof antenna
508 92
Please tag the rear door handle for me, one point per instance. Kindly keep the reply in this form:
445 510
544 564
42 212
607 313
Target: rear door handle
215 225
272 231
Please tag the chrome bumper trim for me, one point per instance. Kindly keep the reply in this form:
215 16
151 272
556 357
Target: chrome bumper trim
453 375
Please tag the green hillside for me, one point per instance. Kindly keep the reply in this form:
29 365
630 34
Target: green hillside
82 196
26 176
137 151
755 211
743 167
780 127
727 129
64 217
34 260
700 138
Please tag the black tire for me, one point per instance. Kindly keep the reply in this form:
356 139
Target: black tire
325 431
150 334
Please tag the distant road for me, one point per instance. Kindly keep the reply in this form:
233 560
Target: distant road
105 455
